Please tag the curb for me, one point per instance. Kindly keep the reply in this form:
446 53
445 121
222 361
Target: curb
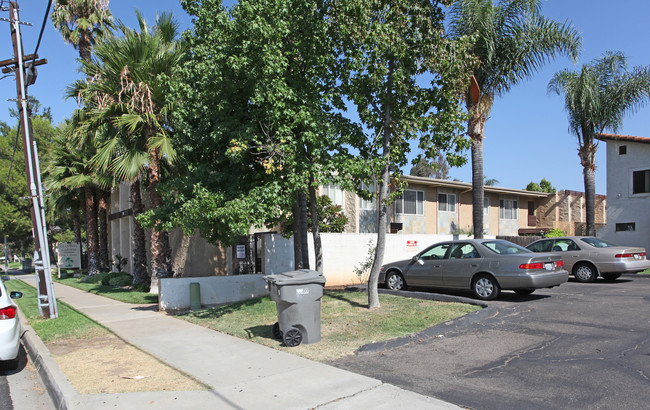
55 382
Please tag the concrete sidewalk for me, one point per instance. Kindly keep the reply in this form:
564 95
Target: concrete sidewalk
241 374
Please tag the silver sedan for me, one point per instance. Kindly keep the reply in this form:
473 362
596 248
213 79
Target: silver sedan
484 266
586 257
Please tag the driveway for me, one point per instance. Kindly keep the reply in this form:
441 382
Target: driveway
581 345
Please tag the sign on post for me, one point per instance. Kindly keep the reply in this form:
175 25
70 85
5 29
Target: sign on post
67 256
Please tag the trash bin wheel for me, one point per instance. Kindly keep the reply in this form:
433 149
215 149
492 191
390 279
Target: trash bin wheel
275 329
292 337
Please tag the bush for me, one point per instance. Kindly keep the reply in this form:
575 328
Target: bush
124 280
113 275
555 233
98 278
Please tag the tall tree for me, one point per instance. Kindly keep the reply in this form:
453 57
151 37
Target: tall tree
597 97
258 129
81 23
513 40
438 168
127 90
385 49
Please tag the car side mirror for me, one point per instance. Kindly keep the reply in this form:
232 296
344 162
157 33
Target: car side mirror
417 259
15 294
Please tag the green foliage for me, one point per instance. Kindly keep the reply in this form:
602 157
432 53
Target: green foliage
331 218
119 262
554 233
438 168
543 186
98 278
363 269
112 278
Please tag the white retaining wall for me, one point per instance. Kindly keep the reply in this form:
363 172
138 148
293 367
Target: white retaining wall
174 293
345 252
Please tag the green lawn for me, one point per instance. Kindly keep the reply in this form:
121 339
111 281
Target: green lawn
69 324
645 272
346 322
118 293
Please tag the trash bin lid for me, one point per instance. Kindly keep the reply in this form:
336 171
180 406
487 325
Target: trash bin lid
295 277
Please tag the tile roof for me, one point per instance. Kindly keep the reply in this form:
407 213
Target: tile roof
629 138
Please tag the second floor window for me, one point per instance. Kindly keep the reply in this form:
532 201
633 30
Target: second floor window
641 182
508 209
334 193
411 203
447 202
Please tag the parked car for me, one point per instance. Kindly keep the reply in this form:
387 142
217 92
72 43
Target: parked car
9 328
586 257
484 266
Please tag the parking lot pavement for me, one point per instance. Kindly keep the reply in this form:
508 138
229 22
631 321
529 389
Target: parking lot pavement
581 345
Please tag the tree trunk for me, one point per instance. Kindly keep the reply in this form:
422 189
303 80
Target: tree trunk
302 202
161 261
91 230
102 214
297 235
590 199
315 230
140 274
475 129
382 209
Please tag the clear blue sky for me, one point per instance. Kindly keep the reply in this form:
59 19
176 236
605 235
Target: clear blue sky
527 136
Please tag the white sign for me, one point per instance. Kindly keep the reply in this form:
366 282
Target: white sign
67 255
241 251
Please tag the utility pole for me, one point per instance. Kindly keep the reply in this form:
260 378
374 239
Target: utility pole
46 300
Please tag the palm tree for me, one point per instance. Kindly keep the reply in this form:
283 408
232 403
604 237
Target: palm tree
81 22
513 40
596 99
128 93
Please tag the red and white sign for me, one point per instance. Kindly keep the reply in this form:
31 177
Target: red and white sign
411 243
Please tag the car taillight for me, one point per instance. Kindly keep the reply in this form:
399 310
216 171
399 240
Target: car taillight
623 255
531 266
642 254
8 313
559 264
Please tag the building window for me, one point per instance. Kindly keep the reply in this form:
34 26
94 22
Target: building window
411 203
626 227
486 206
641 182
622 150
508 209
334 193
369 204
447 202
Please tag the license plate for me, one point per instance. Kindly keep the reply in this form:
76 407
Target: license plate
637 256
548 265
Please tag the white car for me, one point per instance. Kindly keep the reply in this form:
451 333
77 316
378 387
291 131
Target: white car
9 328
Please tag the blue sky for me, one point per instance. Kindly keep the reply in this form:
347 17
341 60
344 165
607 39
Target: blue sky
527 136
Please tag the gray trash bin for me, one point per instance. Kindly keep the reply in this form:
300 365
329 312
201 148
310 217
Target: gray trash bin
297 295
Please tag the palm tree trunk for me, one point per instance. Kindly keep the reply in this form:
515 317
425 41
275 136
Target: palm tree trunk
104 205
91 230
590 199
475 129
161 261
315 230
140 274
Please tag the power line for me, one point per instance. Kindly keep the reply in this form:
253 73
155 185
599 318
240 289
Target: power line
40 36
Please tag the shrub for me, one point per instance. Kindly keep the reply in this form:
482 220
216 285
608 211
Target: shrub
98 278
124 280
554 233
112 275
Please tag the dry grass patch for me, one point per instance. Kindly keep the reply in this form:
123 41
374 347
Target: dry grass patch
346 322
106 364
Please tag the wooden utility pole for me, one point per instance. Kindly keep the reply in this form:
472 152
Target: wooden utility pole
46 300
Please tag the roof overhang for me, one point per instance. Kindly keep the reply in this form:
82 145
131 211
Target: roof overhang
467 187
624 138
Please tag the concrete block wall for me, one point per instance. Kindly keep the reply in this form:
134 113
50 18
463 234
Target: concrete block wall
174 293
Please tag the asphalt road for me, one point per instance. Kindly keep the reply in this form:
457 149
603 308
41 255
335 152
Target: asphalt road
21 389
579 346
